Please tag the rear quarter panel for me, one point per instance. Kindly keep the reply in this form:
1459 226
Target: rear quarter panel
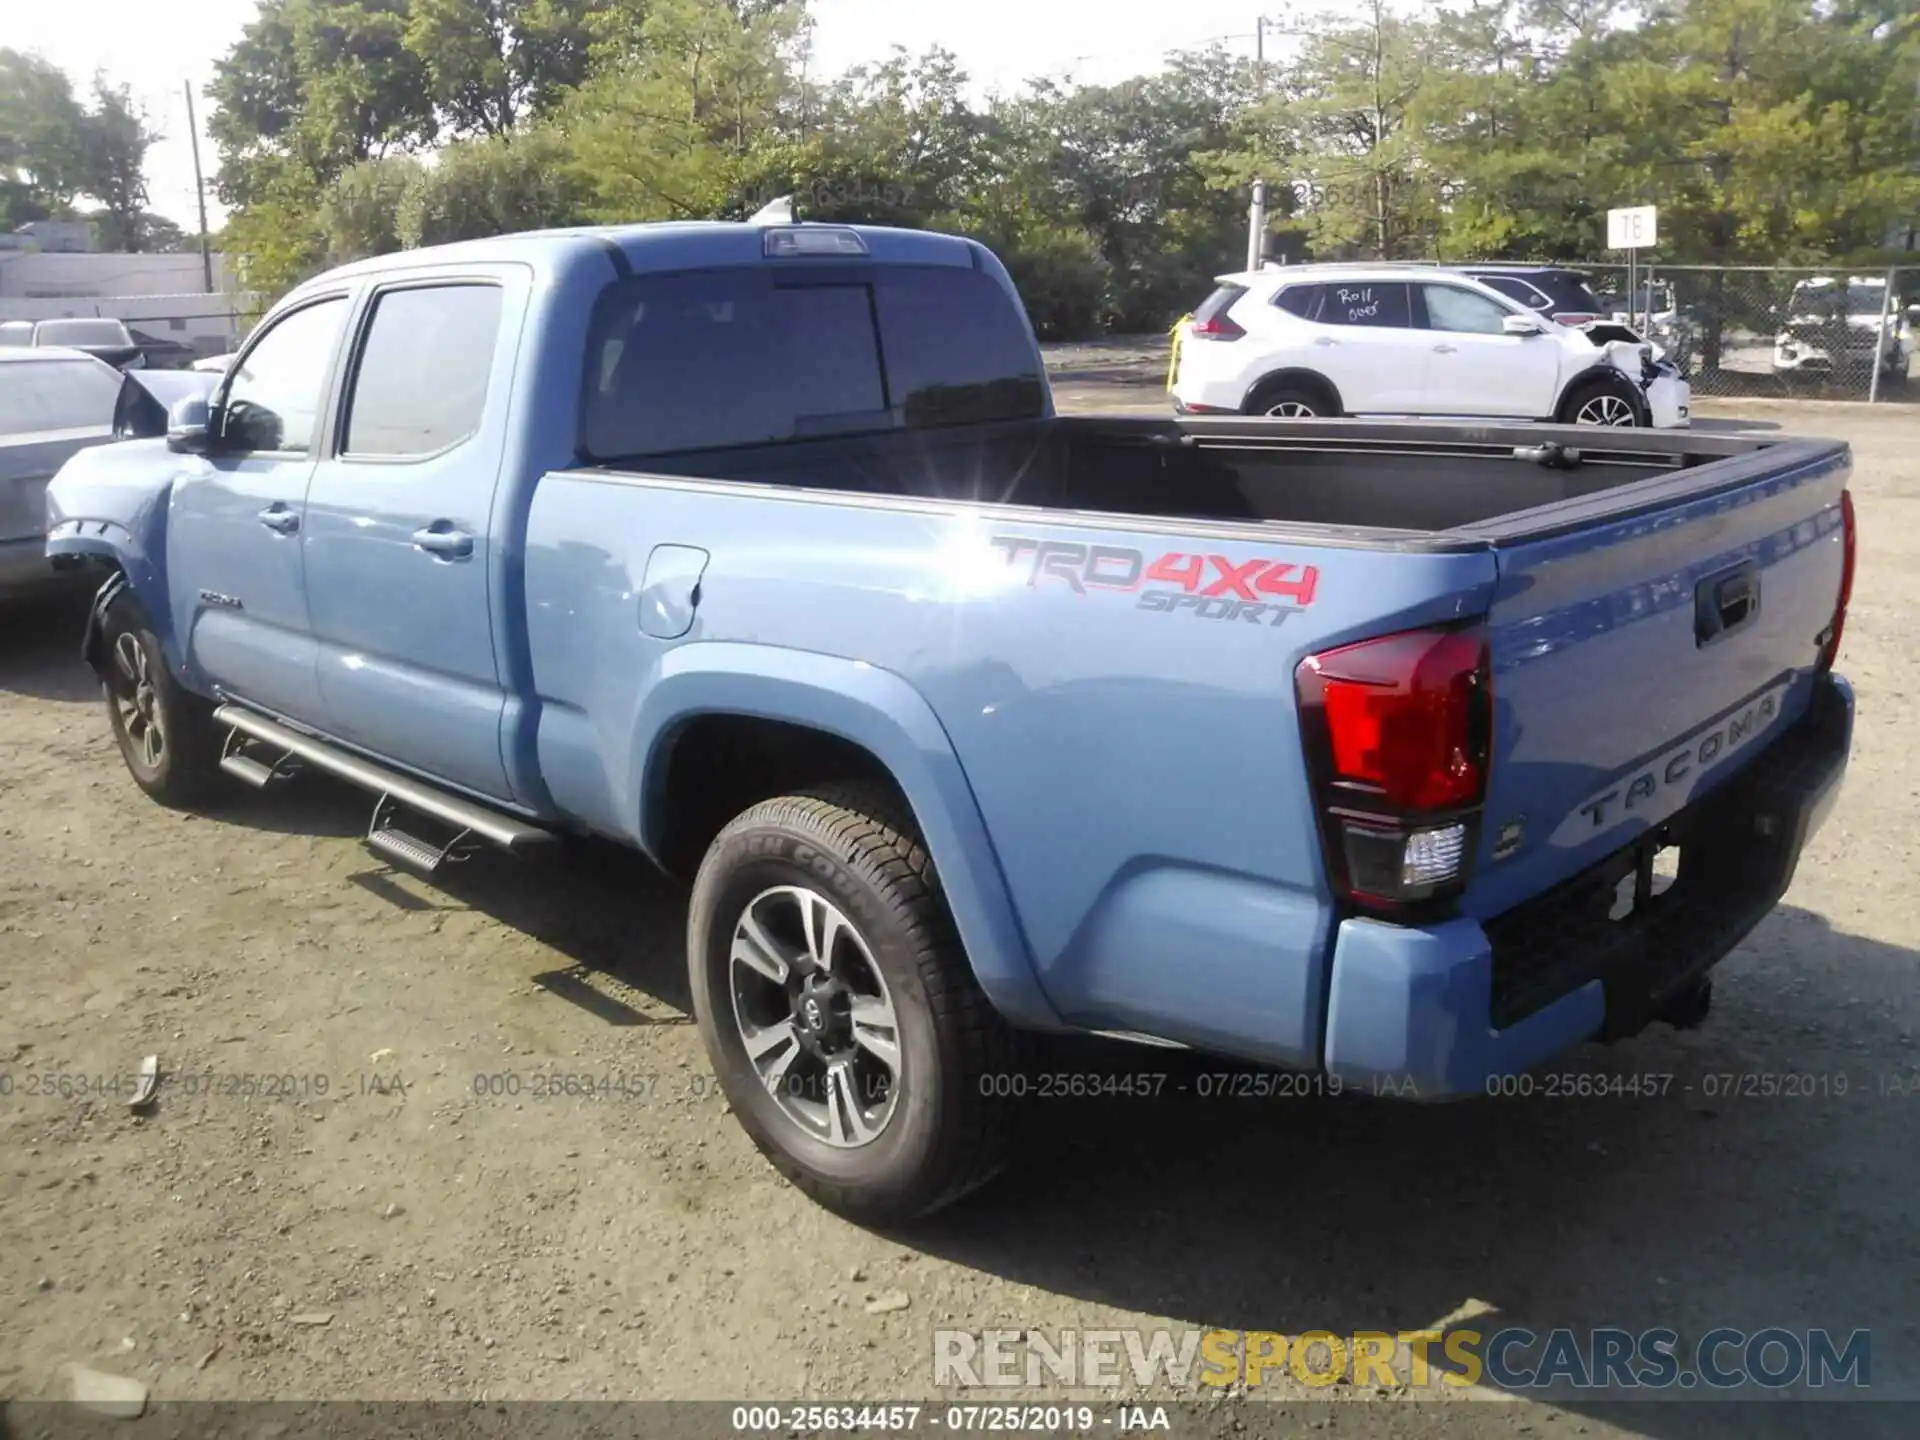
1138 768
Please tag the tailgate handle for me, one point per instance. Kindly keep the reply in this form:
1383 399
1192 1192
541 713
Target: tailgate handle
1726 602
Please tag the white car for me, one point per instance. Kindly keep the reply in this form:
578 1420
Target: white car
1833 326
1398 340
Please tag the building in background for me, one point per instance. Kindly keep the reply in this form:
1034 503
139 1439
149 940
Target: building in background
49 270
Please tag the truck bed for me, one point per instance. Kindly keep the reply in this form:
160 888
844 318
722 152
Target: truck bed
1431 483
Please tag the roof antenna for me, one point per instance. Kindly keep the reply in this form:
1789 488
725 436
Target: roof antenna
775 212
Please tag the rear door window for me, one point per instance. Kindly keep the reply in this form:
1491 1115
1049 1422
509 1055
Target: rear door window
699 360
1373 303
421 384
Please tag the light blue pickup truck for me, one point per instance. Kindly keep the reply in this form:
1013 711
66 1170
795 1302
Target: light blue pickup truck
1408 754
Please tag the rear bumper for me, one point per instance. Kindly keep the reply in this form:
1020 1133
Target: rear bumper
1439 1010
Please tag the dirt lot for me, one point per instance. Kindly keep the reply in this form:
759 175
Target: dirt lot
468 1236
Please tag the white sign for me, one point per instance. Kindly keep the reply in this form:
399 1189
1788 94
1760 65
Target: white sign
1632 228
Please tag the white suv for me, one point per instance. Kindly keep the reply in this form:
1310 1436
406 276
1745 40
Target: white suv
1310 340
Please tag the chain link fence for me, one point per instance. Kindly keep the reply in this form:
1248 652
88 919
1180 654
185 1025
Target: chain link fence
1832 334
172 331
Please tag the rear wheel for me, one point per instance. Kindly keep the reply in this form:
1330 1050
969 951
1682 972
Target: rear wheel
838 1008
1291 400
166 733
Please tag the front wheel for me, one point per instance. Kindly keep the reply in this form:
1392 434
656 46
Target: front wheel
838 1009
1603 402
166 733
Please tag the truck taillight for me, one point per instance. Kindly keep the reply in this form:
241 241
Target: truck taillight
1849 544
1398 733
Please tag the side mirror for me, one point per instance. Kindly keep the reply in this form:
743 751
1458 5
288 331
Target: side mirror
190 426
1522 325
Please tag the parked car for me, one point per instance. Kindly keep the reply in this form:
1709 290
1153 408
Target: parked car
160 353
1833 325
107 340
216 364
15 333
1330 746
1562 295
53 404
1324 340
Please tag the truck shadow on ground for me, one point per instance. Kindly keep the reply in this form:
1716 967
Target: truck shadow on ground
40 648
1708 1199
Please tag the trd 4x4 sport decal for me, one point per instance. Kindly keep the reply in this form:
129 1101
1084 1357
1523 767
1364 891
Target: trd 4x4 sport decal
1213 587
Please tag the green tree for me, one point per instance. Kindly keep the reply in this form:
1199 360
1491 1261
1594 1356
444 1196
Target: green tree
492 63
683 123
312 87
43 139
115 139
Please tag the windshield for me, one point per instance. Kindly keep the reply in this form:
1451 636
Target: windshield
81 332
1860 297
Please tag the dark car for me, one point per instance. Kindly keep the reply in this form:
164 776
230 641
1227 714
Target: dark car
103 339
1550 290
162 353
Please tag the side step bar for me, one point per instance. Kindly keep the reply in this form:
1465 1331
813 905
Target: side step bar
468 820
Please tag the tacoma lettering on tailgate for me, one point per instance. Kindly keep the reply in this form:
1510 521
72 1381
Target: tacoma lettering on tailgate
1212 587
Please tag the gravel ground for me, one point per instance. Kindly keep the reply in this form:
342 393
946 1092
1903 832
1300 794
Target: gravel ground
357 1182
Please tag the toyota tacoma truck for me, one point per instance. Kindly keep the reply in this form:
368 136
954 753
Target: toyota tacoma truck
1410 754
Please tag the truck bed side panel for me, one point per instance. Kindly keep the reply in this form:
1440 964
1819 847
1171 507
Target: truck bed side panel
1137 760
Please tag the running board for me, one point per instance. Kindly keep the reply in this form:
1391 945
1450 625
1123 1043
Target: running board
248 769
468 820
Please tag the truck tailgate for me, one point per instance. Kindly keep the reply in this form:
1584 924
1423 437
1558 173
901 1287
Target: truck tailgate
1646 649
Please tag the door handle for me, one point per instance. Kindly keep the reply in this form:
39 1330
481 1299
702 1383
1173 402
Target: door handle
444 541
1443 349
279 519
1325 340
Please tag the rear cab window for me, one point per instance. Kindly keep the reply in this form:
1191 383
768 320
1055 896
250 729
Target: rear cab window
713 359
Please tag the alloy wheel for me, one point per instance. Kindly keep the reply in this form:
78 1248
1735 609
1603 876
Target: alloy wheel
1605 410
815 1017
136 699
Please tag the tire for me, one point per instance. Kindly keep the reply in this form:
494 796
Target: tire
1604 396
929 1132
165 733
1290 400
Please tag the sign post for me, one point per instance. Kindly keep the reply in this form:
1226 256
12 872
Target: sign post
1632 228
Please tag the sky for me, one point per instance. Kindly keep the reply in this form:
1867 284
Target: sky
159 46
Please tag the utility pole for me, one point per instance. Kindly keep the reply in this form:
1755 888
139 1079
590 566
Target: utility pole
1257 226
199 191
1260 40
